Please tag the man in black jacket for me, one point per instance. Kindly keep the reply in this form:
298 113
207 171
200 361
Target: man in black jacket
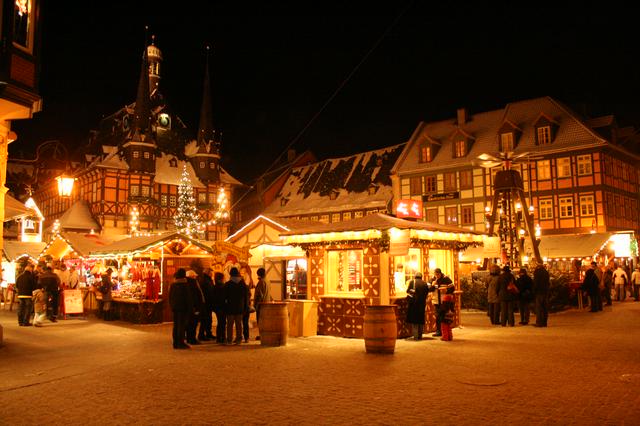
206 285
182 306
440 283
236 304
591 284
541 284
417 301
25 284
51 285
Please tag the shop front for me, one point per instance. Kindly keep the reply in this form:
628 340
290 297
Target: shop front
370 261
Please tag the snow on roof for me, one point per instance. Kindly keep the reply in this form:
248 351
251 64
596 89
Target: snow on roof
83 244
79 216
280 224
13 250
173 175
14 209
112 160
227 178
143 243
309 189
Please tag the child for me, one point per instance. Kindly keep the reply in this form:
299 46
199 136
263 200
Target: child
448 308
39 306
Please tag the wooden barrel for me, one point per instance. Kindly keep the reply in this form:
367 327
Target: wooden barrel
380 329
273 323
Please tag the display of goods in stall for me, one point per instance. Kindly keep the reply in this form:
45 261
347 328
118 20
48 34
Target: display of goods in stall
130 290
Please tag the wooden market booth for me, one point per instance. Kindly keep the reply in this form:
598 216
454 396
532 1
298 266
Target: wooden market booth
369 261
144 267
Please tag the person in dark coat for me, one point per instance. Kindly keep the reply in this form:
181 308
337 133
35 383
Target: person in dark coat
181 305
440 283
591 284
507 298
51 285
206 322
607 280
525 295
492 295
541 284
218 307
107 298
25 284
417 303
197 300
448 306
236 304
261 295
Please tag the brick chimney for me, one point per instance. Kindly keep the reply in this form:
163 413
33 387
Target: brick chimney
462 116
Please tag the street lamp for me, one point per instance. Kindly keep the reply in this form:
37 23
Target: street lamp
65 185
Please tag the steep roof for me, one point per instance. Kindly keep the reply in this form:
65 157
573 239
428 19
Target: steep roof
14 209
308 188
142 243
79 216
572 132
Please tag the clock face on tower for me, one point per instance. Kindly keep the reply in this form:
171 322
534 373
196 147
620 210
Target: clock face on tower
164 120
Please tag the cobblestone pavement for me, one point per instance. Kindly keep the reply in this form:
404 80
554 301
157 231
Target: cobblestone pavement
584 369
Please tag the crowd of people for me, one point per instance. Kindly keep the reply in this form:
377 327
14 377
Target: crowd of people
195 299
38 288
613 282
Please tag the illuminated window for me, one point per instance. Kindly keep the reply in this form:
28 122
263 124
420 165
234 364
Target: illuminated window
425 153
335 217
346 216
405 268
544 169
466 179
459 148
173 163
202 197
566 207
202 164
564 167
358 214
324 218
22 32
587 205
450 181
431 184
313 218
545 208
345 270
136 154
212 166
147 155
333 195
163 200
543 135
146 191
466 215
134 190
451 215
506 142
172 201
584 165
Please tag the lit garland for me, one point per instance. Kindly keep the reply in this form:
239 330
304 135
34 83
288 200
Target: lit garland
187 220
221 212
134 222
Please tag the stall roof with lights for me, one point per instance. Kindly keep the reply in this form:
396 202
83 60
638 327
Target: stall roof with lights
140 244
14 250
372 225
572 246
14 209
68 242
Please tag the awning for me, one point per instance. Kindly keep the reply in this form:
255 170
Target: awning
69 242
14 250
568 246
14 209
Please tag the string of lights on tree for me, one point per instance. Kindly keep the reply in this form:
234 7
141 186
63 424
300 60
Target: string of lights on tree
186 220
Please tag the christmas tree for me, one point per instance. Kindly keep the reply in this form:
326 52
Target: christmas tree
186 219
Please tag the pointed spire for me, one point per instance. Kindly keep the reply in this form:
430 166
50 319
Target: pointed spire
206 133
142 111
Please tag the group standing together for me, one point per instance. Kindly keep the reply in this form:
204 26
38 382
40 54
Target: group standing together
194 301
441 289
612 283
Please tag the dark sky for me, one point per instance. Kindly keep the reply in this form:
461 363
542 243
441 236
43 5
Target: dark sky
274 66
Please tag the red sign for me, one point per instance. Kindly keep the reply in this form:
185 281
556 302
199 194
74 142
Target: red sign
409 208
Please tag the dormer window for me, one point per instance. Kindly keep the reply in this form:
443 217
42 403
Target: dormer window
333 195
459 148
426 153
147 155
506 142
212 166
202 164
379 161
173 163
136 154
543 135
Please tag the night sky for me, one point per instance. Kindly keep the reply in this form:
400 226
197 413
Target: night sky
276 65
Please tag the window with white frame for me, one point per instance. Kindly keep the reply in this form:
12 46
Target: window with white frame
136 154
346 215
543 134
163 200
324 218
506 142
451 215
335 217
544 169
564 167
430 184
584 165
358 214
145 190
134 190
202 197
147 155
172 201
545 208
566 206
425 153
587 205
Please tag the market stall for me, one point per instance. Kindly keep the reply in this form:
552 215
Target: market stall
369 261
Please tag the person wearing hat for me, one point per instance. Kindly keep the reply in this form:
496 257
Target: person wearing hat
197 300
105 289
417 302
236 298
525 295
